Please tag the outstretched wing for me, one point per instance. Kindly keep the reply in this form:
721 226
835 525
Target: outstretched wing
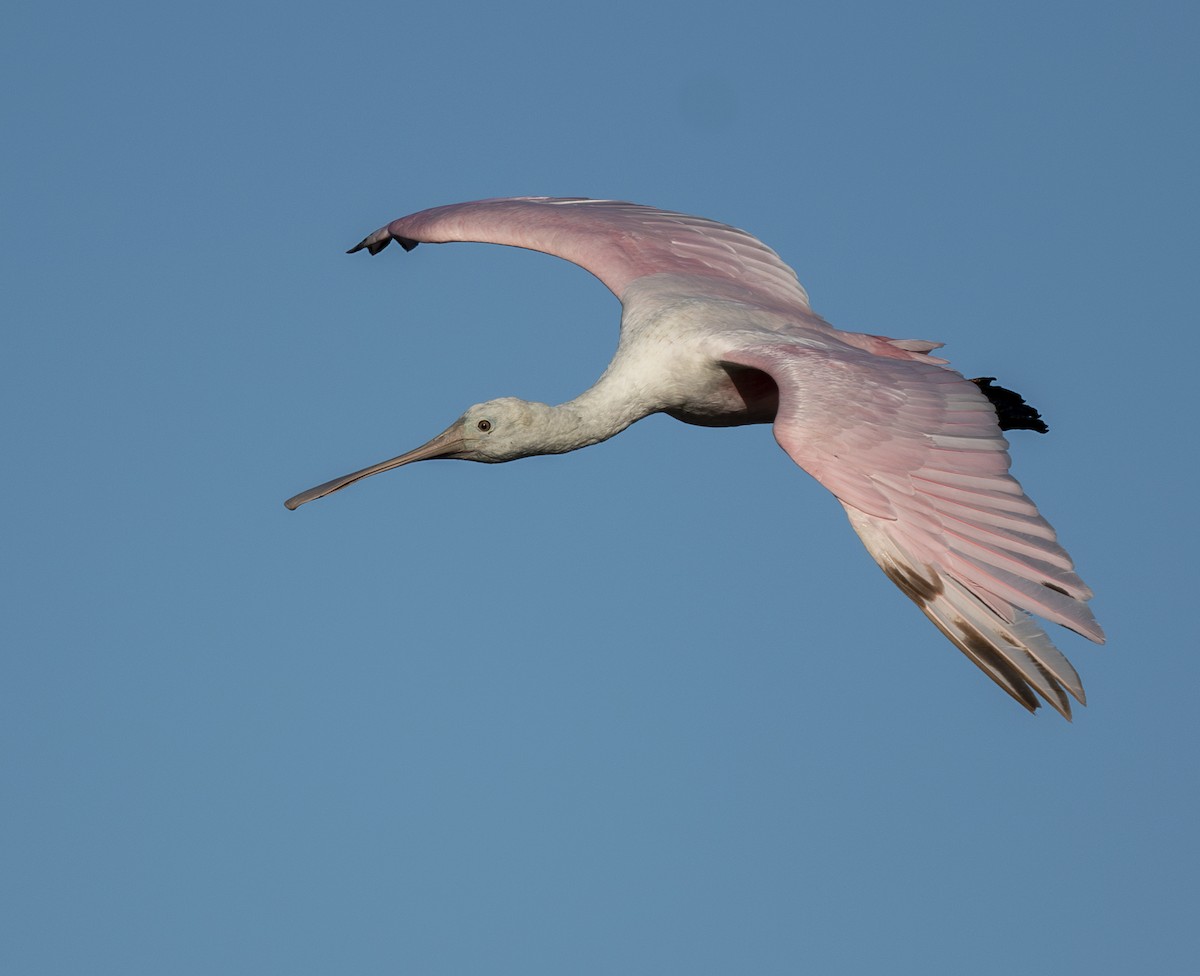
915 455
617 242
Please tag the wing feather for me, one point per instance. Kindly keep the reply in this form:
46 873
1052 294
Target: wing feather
616 241
915 454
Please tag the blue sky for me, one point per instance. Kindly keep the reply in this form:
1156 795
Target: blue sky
646 708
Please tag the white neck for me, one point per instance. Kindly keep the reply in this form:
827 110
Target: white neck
593 416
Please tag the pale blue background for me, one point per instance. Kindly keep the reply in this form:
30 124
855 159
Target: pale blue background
647 708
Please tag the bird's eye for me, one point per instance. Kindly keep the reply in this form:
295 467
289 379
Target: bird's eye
484 425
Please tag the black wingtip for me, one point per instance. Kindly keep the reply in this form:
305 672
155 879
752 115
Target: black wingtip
374 247
1011 409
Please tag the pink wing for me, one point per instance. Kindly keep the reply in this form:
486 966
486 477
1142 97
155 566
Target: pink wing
915 455
617 242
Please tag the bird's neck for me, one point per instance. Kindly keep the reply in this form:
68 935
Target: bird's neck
593 416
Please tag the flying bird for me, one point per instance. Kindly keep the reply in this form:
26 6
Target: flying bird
716 330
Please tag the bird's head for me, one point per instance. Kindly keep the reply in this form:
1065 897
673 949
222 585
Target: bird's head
491 432
502 430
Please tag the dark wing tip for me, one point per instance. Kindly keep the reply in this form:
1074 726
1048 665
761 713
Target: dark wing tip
374 245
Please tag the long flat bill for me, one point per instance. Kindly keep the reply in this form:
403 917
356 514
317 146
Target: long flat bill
447 444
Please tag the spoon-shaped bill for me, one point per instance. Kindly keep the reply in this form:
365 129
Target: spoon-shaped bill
447 444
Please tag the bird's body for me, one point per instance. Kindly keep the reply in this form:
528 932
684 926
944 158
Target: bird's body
717 331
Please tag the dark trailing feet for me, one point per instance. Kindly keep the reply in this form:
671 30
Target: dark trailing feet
1011 408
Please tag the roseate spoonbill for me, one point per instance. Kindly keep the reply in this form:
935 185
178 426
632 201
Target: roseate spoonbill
717 331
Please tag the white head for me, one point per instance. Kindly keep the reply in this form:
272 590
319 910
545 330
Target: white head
492 432
503 430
